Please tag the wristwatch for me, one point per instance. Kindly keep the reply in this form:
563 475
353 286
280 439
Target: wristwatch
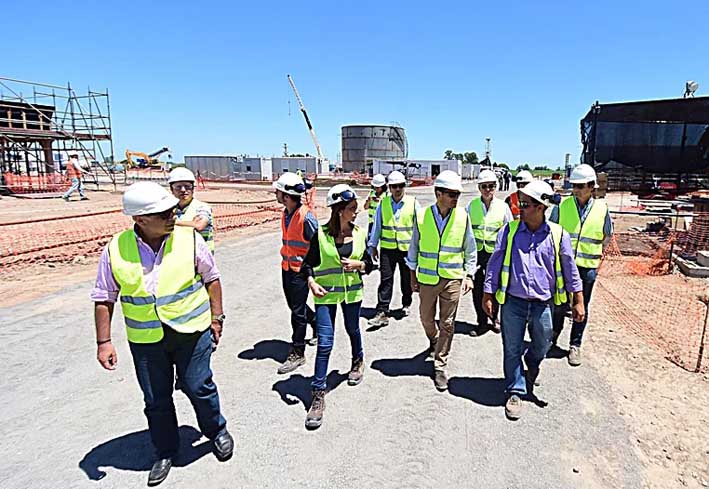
219 318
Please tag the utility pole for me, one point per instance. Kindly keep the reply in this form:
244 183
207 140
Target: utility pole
285 149
488 151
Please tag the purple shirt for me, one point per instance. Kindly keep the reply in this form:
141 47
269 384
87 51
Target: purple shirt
106 289
532 271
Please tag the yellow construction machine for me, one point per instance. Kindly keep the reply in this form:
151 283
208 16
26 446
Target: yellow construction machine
144 160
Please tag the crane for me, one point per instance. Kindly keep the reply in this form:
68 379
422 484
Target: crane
307 119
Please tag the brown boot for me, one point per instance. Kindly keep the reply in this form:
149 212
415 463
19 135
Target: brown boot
440 380
314 418
296 358
574 356
513 407
356 374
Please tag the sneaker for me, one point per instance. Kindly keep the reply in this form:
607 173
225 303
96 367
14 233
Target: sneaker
513 407
295 359
379 320
356 374
313 419
574 356
440 380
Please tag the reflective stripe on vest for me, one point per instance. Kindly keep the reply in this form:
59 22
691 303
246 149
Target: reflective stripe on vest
486 226
559 294
181 300
373 203
190 213
294 246
586 238
441 255
341 286
397 234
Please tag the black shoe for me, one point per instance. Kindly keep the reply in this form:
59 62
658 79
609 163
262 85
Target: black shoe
479 330
84 198
159 471
295 359
224 446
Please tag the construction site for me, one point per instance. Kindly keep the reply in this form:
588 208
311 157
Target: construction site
633 416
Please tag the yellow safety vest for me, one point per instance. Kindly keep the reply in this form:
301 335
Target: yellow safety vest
397 234
190 212
373 203
341 286
181 300
586 238
556 233
486 226
441 255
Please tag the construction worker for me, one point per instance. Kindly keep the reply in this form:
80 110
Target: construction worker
171 298
379 187
487 216
334 265
298 226
589 223
523 178
531 269
191 212
394 225
441 260
75 173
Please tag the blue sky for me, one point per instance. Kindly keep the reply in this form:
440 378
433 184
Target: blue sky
210 77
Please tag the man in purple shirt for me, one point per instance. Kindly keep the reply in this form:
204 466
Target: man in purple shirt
167 328
530 291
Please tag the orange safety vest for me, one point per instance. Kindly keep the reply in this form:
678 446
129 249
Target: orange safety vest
513 201
294 247
71 171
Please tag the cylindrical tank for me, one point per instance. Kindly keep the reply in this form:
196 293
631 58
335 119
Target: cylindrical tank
362 144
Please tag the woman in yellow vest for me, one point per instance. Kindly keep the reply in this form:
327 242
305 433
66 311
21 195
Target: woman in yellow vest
191 212
334 265
588 222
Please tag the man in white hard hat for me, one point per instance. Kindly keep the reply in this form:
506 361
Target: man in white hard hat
393 225
298 226
487 216
171 297
191 212
441 259
379 188
531 270
523 178
589 224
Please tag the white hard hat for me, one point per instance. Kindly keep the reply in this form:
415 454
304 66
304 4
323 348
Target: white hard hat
448 179
487 176
147 198
290 183
524 176
181 174
379 180
583 174
539 191
395 178
340 193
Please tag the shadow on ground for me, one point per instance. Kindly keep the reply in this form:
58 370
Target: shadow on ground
297 389
135 452
483 391
276 350
398 367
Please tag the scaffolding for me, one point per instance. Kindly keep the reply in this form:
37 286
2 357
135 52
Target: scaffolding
41 125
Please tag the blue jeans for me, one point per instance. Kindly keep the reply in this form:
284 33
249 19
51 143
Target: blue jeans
325 316
76 184
516 315
155 365
588 279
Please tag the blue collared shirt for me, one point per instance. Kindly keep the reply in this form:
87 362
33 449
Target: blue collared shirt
376 233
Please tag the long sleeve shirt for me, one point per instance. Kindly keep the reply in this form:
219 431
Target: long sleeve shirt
376 232
106 289
312 259
532 264
583 213
470 251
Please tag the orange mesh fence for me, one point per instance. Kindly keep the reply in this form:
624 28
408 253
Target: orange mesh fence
22 184
63 239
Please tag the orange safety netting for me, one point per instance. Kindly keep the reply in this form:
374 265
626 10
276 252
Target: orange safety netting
22 184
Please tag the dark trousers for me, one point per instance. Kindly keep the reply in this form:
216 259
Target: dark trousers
155 365
388 261
478 283
588 279
295 288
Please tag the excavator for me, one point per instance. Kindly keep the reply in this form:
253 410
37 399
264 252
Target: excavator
144 160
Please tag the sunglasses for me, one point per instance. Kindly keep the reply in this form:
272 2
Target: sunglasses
489 186
521 184
298 187
579 185
164 215
183 186
397 185
346 196
451 193
523 204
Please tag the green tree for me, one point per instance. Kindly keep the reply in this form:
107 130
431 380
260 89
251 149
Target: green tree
448 155
470 158
523 166
503 165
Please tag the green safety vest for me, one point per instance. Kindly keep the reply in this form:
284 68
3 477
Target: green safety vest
586 238
373 203
397 234
441 255
556 233
181 300
341 286
486 226
190 212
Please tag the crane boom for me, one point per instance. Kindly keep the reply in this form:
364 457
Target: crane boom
307 119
